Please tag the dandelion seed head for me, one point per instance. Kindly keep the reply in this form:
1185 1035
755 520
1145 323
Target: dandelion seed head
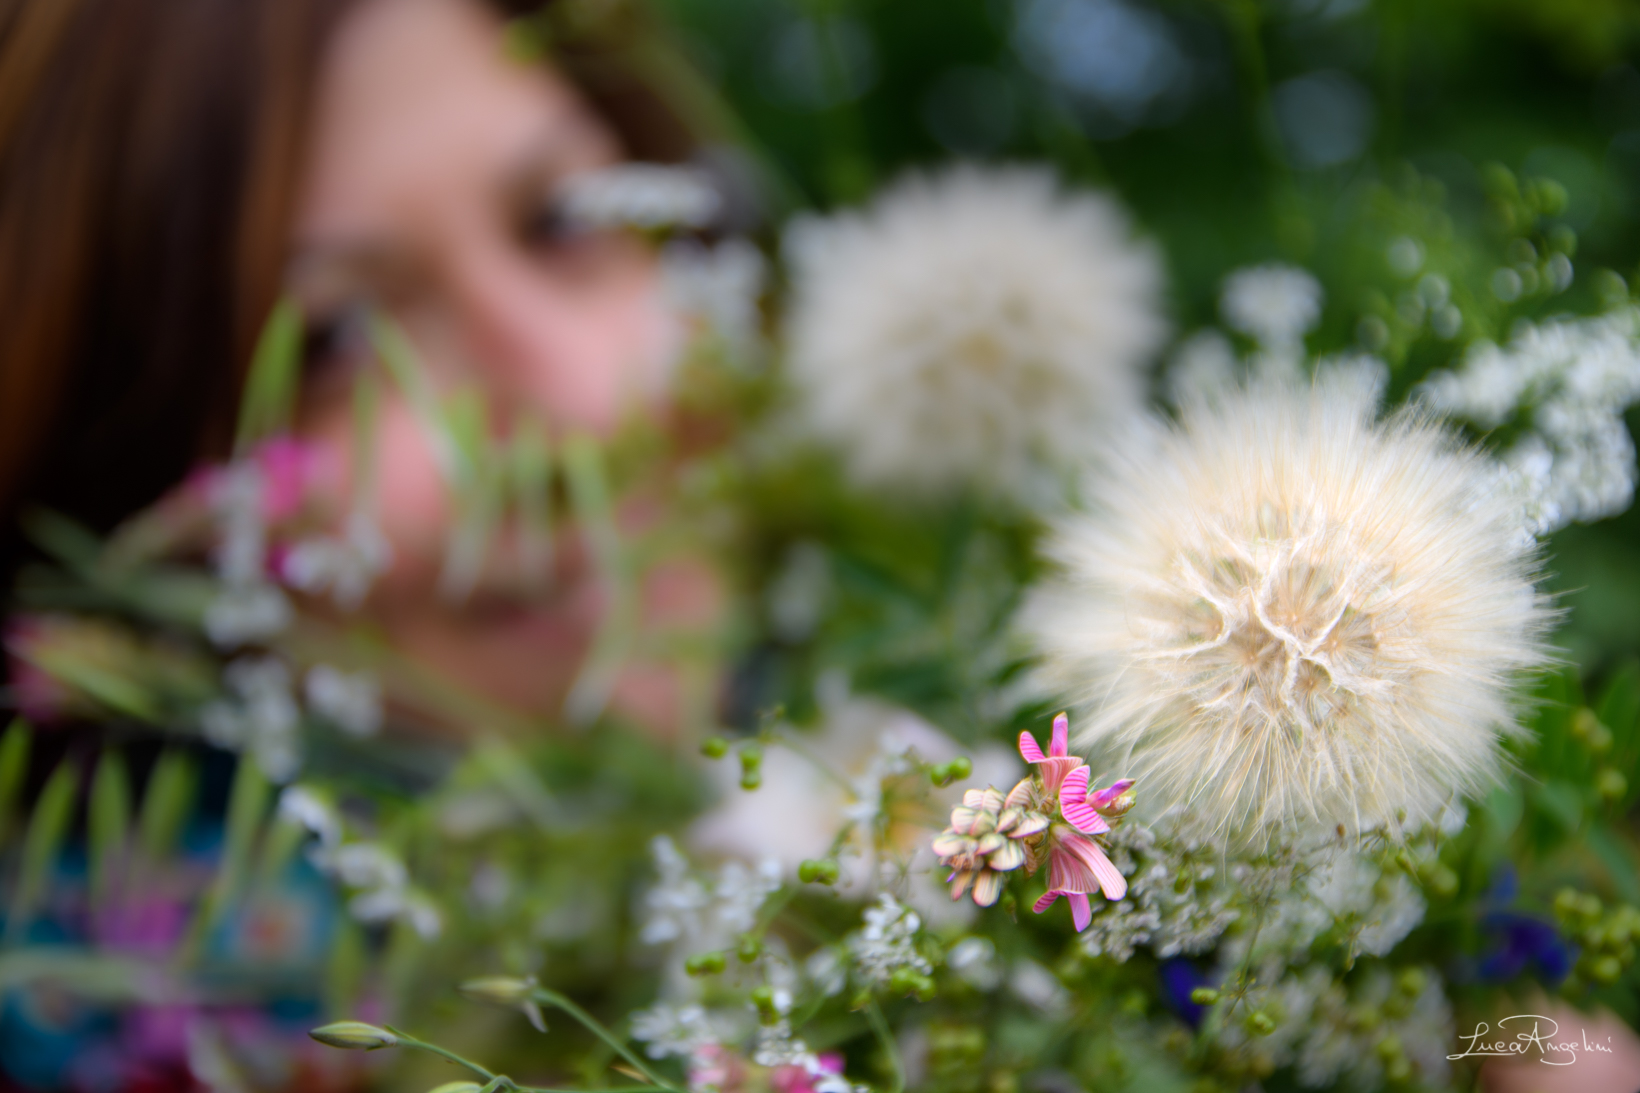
973 326
1282 610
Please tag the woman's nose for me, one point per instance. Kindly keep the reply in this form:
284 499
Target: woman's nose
573 350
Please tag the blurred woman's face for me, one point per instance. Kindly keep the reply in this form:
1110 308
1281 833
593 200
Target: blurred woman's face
428 192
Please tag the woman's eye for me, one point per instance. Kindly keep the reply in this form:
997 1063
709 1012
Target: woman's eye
333 337
547 225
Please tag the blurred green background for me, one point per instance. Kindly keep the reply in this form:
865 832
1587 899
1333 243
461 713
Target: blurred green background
1244 131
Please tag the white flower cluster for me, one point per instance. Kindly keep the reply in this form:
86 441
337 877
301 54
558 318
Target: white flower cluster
249 607
258 716
680 1031
640 195
1572 379
1276 306
344 565
352 701
381 884
888 942
1176 903
684 908
1326 1032
978 327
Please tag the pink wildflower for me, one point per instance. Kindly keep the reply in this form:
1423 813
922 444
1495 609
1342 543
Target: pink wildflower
1049 819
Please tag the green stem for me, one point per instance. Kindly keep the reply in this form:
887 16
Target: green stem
553 998
406 1040
879 1025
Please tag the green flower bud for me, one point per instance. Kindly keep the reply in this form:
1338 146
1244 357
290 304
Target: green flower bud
750 949
818 871
1389 1047
763 999
355 1035
750 780
1411 982
1440 880
1204 996
457 1087
751 758
705 964
1611 784
1260 1023
714 747
497 990
1398 1069
960 767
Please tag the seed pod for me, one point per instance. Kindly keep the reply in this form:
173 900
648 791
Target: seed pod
497 990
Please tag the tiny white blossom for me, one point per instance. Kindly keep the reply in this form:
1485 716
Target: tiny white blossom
259 716
350 701
345 566
305 808
248 608
718 286
1276 305
887 942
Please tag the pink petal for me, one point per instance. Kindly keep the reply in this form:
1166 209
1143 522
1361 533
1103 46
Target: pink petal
1029 749
1061 745
1073 804
1067 872
1020 795
1046 901
1074 790
1110 877
1081 912
959 883
1103 797
1054 769
987 888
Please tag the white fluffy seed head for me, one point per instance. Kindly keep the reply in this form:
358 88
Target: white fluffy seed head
976 326
1281 610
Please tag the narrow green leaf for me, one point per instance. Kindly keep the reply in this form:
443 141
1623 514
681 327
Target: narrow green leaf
1619 860
46 830
270 387
167 803
529 465
14 749
247 805
594 511
344 969
109 823
278 850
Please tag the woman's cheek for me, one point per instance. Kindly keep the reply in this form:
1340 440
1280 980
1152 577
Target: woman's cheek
412 499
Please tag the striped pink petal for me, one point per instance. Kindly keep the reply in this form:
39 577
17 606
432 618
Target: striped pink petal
1074 806
1081 912
1110 878
1046 901
1054 769
1029 749
1061 745
1103 797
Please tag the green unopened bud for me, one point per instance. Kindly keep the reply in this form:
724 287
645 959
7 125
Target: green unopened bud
767 1011
860 999
750 779
1260 1023
1611 784
1605 969
457 1087
1204 996
355 1035
1411 982
1389 1047
714 747
1566 903
497 990
1440 880
911 981
751 758
750 949
705 964
1398 1069
818 871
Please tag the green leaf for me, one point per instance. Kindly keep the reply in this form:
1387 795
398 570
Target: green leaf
247 805
167 803
270 387
1561 801
46 830
1619 860
14 749
109 824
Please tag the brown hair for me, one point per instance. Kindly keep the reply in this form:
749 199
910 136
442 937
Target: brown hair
149 152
